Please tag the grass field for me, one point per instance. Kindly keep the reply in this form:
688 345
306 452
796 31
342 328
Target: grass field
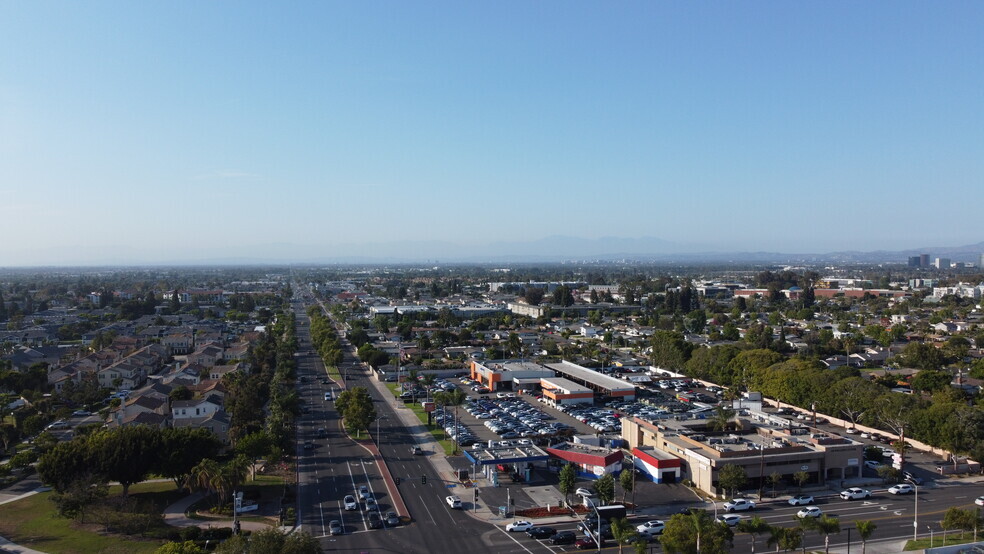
417 409
952 539
32 522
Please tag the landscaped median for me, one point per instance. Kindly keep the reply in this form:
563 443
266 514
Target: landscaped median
437 432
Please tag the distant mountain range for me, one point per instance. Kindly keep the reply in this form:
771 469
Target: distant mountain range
553 249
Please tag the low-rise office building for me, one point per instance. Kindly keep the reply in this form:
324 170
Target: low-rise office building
760 447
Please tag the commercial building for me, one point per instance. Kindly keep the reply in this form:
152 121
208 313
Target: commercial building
590 461
761 445
604 387
656 465
559 391
505 375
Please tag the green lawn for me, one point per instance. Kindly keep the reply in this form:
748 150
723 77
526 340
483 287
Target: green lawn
417 409
32 522
937 540
334 373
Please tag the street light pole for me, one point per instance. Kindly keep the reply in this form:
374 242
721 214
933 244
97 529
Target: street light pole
915 514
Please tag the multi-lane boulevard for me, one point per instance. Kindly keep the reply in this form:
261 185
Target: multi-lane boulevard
337 466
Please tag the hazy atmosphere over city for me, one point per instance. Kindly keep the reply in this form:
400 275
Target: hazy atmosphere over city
189 132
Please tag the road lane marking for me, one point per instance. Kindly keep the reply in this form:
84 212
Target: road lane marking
506 533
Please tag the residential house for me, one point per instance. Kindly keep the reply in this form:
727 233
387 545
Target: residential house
218 422
195 408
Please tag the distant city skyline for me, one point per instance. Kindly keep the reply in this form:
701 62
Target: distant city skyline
156 133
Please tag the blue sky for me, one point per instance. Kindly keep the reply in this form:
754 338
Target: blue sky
167 130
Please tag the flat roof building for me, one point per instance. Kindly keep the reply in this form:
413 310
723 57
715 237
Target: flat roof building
500 375
560 391
760 448
602 385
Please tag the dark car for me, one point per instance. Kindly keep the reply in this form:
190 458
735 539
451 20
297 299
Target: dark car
541 532
392 519
564 537
308 445
335 527
375 522
586 543
691 511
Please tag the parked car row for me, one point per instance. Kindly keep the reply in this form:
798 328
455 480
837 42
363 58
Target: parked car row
513 418
605 420
454 428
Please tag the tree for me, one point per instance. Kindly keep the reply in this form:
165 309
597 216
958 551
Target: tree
774 479
786 538
696 533
955 518
125 454
627 480
79 495
826 526
753 527
568 481
254 446
357 408
852 397
721 418
622 531
182 449
604 487
205 476
865 530
669 350
801 477
732 478
930 380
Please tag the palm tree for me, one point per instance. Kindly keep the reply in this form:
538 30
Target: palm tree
786 538
202 476
865 529
754 526
428 381
826 526
622 531
721 418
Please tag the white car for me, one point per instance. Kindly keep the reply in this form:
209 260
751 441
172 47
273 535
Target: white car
454 502
729 519
584 492
810 511
801 500
871 464
364 492
654 527
350 503
739 505
521 525
901 488
979 501
855 493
